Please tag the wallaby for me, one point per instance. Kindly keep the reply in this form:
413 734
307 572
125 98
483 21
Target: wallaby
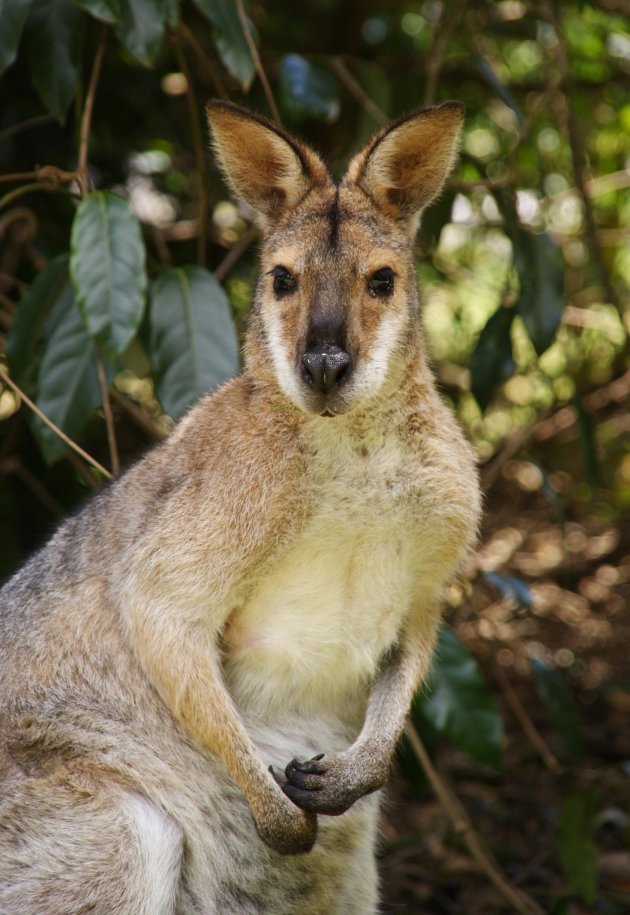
204 674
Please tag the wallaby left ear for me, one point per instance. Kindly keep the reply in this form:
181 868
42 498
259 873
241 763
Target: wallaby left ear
405 166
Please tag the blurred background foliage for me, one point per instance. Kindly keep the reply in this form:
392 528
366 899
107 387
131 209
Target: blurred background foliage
126 274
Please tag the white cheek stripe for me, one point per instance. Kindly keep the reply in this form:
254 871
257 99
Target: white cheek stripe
372 371
285 372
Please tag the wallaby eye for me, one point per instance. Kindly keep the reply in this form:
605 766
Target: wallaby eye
283 280
381 283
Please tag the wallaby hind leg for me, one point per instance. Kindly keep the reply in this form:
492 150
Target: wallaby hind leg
66 850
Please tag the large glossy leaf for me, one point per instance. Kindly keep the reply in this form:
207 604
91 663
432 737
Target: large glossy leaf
492 361
562 710
140 28
576 844
13 15
193 339
54 36
540 269
459 704
105 10
107 269
68 383
51 289
308 90
229 38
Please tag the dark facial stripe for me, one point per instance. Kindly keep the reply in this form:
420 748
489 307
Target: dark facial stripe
333 216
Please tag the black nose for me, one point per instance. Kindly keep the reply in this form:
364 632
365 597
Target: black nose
325 366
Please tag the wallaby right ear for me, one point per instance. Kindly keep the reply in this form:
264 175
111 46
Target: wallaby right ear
263 165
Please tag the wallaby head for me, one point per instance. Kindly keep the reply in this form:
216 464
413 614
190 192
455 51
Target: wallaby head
335 318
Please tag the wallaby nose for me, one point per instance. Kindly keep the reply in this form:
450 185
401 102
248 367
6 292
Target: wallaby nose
325 366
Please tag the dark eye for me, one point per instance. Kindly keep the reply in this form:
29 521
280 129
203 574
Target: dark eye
283 281
382 282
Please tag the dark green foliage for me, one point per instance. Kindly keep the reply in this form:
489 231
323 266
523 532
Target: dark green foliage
562 710
576 843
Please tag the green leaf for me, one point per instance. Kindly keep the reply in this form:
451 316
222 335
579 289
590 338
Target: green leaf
193 339
68 384
229 39
49 290
173 12
459 704
13 15
105 10
308 91
561 708
141 28
54 36
540 269
492 361
576 844
107 269
510 586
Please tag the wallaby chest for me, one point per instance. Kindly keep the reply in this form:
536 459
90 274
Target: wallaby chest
321 616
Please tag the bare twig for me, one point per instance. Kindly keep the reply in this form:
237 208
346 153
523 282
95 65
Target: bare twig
138 416
88 108
51 425
206 62
109 416
200 153
251 44
521 902
235 252
14 129
451 13
530 729
356 90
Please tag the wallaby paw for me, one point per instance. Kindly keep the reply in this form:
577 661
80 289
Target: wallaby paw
331 784
284 827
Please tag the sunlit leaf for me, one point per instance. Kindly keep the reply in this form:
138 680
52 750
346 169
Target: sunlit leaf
140 28
105 10
13 15
53 38
308 90
229 38
68 384
576 844
193 339
107 269
510 586
459 704
562 709
492 361
540 269
49 290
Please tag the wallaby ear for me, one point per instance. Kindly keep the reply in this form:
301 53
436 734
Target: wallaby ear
405 166
262 164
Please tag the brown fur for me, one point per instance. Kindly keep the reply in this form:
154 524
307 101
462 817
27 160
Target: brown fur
263 585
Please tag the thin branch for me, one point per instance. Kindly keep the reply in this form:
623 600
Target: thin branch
138 416
235 253
109 416
14 129
86 119
531 731
251 44
356 90
451 13
14 465
51 425
521 902
578 156
200 153
205 61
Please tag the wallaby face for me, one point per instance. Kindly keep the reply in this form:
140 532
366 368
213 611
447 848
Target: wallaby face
205 673
336 304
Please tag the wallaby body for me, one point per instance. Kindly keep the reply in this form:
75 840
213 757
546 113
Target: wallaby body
261 588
